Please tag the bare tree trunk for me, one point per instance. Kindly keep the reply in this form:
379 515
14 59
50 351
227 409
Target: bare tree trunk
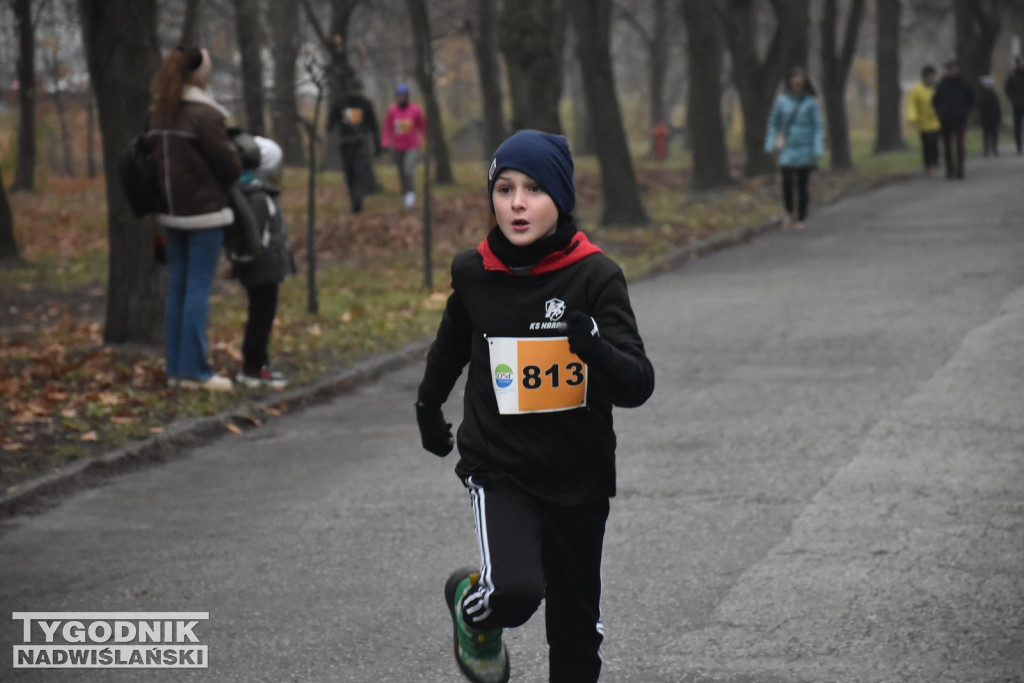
758 78
977 23
582 124
592 24
836 67
485 37
51 63
656 43
284 113
794 17
65 132
704 96
90 133
8 245
889 134
422 41
320 81
339 70
658 65
532 33
25 171
190 26
122 51
250 41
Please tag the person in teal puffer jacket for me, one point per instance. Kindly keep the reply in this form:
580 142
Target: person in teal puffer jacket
795 136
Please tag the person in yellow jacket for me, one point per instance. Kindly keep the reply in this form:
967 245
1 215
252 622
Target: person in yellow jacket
922 115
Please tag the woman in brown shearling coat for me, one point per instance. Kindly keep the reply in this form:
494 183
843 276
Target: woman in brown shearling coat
197 165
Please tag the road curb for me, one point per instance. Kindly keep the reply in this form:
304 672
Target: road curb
179 435
193 431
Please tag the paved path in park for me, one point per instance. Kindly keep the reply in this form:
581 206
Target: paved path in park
828 485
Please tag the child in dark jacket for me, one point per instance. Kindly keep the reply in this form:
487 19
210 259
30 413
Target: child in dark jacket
543 320
262 275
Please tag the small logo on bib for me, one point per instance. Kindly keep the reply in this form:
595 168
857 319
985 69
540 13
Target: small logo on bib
503 376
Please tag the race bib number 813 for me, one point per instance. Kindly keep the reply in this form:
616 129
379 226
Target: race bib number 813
536 375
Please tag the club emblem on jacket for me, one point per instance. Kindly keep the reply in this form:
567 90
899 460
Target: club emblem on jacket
554 309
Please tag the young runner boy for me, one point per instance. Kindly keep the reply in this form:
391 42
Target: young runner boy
543 320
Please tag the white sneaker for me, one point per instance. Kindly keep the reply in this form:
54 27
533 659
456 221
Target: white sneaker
410 199
214 383
264 378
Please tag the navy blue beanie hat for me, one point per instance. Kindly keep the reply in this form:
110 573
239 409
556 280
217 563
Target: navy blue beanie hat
542 156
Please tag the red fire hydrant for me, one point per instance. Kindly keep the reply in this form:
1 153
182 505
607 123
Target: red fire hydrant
660 142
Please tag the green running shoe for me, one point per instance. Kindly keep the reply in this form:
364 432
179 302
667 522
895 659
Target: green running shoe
481 655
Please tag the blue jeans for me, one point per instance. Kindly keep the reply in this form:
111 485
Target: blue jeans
192 257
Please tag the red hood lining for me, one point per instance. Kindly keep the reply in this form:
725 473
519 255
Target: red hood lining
579 248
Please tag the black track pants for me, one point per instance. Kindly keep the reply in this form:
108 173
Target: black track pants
532 550
262 310
355 160
953 149
930 148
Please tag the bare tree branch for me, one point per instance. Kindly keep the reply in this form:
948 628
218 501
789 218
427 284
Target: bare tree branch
314 24
630 18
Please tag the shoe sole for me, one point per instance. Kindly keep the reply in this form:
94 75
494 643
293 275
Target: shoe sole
196 386
250 383
450 586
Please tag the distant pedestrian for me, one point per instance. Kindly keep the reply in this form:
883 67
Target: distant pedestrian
921 114
197 165
359 136
262 276
403 126
542 318
953 102
795 135
990 111
1015 93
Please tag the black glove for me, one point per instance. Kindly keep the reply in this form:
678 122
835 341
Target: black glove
584 339
435 433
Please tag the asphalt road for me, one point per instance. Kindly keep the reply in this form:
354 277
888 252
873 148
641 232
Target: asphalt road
828 485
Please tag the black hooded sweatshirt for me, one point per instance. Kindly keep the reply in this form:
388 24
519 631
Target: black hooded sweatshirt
502 292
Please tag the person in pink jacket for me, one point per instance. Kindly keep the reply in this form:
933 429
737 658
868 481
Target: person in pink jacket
403 126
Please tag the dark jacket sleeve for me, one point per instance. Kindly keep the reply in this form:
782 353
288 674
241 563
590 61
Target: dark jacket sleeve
449 353
216 147
622 368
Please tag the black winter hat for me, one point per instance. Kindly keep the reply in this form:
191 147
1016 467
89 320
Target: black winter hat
542 156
